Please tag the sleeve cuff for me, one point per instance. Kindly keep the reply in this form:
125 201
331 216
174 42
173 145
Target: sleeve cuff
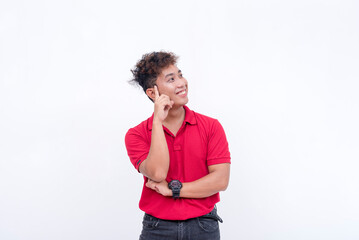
218 160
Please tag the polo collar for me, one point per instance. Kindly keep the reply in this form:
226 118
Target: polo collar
189 118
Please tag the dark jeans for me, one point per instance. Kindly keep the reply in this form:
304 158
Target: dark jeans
201 228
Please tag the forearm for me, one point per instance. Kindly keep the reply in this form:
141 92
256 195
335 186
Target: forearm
156 165
208 185
217 180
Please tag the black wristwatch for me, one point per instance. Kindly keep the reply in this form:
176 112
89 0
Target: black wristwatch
175 186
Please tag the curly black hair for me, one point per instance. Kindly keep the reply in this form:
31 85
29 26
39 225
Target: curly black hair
150 66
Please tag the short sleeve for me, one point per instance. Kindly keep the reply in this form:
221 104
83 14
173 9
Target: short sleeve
218 151
137 147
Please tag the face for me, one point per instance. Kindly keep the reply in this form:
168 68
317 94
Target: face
172 83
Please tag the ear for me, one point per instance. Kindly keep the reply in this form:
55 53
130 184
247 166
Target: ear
150 92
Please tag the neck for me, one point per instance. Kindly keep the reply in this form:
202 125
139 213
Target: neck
175 115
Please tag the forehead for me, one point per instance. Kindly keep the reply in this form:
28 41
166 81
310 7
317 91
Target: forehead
168 70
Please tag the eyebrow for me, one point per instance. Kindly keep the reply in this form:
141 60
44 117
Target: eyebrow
171 74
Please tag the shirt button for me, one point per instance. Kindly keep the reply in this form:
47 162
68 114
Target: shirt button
177 147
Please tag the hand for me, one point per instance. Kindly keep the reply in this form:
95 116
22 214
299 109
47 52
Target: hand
160 187
162 105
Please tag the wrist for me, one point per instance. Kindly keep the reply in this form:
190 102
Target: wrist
175 186
157 122
169 193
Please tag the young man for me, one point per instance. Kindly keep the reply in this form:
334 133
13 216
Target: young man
183 156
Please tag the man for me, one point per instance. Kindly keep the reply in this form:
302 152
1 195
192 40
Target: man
183 156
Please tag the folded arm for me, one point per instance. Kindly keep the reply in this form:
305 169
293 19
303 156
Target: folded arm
217 180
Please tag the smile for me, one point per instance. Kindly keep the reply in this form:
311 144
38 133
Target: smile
183 92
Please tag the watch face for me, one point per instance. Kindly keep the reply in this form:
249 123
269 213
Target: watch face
176 184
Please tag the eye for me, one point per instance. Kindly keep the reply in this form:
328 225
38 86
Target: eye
181 75
171 79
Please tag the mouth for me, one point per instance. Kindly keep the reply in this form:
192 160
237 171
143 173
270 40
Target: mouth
182 93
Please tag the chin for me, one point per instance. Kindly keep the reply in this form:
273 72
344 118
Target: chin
180 103
184 101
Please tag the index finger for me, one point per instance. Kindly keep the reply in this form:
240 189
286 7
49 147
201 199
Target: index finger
157 95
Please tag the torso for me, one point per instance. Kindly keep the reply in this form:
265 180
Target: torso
193 144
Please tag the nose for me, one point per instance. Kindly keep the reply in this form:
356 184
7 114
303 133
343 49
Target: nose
181 82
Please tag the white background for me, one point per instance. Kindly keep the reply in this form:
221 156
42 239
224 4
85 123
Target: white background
281 77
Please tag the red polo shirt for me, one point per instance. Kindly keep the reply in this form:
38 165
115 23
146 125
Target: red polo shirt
200 142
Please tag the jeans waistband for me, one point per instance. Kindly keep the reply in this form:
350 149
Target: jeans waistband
213 214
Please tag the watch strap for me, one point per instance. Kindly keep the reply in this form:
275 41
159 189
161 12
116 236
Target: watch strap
176 193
